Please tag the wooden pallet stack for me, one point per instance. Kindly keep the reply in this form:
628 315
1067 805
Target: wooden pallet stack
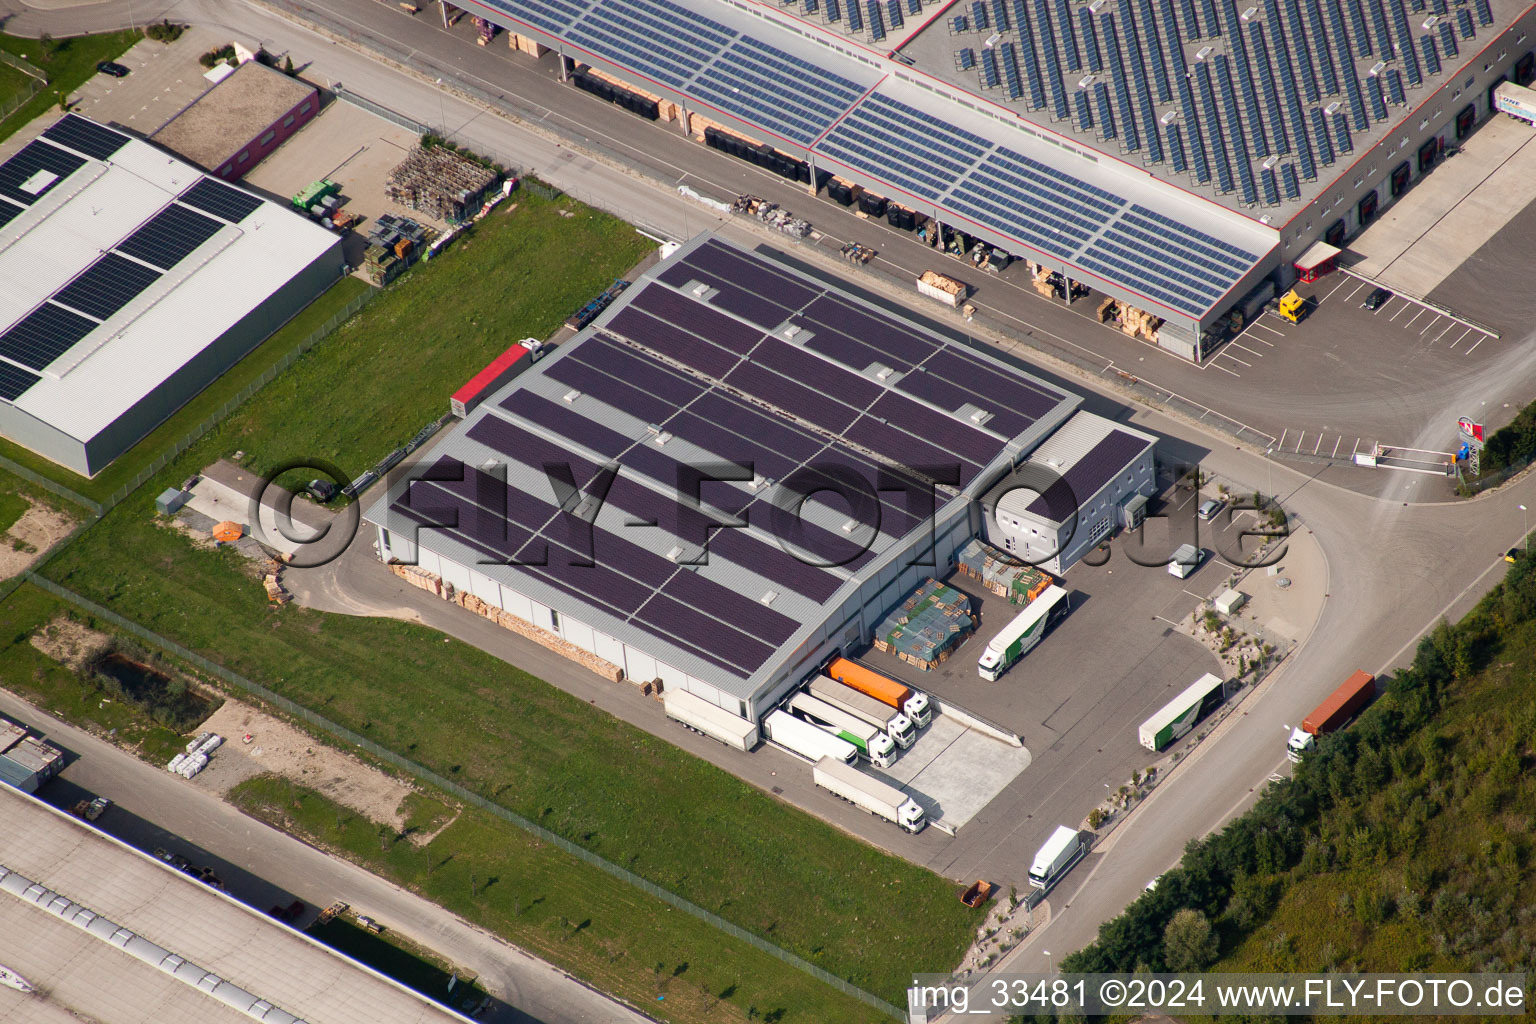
440 183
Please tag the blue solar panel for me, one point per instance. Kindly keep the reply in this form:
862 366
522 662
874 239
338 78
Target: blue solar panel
1012 84
1086 29
1106 113
1395 87
1069 52
1000 15
835 12
1341 140
893 13
1378 104
979 14
1260 52
876 20
1447 38
1464 22
785 94
856 17
1301 51
663 40
1304 155
1084 118
1246 185
1439 7
1052 59
1405 48
990 77
1324 51
1431 54
1320 137
1362 36
1128 134
914 6
1212 22
965 58
1484 12
14 381
1172 46
1191 114
1288 178
811 6
1271 189
1148 23
1176 149
1379 26
1145 107
1191 20
1212 124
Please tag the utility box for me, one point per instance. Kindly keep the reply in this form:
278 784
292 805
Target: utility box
1229 601
1185 561
171 500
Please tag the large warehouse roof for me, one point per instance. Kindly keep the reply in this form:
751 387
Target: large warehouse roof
928 146
719 363
82 916
120 264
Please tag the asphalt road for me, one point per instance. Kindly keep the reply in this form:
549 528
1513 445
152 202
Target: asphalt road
264 867
1394 568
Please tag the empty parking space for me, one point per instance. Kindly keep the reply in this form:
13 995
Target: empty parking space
954 771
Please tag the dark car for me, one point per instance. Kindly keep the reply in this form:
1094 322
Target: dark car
116 70
321 490
1378 298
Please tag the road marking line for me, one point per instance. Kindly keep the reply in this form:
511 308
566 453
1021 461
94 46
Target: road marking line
1245 348
1464 334
1318 447
1342 282
1336 447
1218 366
1474 347
1355 292
1443 333
1281 442
1394 316
1420 313
1430 326
1299 439
1268 328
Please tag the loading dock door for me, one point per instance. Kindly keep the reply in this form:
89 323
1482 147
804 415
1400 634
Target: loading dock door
1429 153
1399 182
1367 208
1334 236
1465 120
1525 69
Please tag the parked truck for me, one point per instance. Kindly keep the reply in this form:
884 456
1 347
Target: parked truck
1331 715
710 719
912 703
1059 853
872 744
1179 715
1515 100
1020 636
803 738
869 793
861 705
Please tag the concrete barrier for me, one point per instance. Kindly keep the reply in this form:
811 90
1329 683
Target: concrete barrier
974 721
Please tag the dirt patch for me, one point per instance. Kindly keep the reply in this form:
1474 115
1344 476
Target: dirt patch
39 528
70 643
280 748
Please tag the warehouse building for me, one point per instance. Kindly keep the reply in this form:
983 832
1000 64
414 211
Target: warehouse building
229 129
1176 155
98 931
129 281
735 470
1089 479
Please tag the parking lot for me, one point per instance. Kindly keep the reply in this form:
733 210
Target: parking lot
954 771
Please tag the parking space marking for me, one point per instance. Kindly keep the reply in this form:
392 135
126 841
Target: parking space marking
1268 328
1352 294
1448 329
1217 366
1342 282
1464 334
1245 348
1430 326
1394 316
1479 342
1420 313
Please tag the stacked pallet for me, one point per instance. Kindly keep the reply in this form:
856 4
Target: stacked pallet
927 627
1002 575
440 183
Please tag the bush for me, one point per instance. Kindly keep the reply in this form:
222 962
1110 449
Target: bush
166 32
212 57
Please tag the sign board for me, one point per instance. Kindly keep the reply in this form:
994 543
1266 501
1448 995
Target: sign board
1516 101
1472 432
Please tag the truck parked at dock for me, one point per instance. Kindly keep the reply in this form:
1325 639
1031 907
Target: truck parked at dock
861 705
876 797
872 744
712 720
803 738
1331 715
912 703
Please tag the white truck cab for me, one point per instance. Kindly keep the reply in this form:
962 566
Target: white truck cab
918 708
901 730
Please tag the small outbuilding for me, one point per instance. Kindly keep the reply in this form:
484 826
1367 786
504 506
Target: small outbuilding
246 115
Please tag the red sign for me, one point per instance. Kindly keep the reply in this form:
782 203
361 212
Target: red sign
1472 430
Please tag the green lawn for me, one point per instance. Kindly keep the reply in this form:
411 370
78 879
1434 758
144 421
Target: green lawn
566 912
69 63
390 955
12 504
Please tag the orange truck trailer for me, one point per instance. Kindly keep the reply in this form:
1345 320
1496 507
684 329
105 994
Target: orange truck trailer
912 703
1332 714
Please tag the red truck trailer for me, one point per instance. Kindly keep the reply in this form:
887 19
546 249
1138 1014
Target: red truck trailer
1340 706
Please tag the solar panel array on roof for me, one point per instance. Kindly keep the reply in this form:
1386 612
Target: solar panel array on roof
876 20
1464 22
1069 51
1362 34
1268 184
14 381
1484 12
107 286
86 137
1288 176
1087 476
35 170
170 236
43 335
1447 38
8 212
221 200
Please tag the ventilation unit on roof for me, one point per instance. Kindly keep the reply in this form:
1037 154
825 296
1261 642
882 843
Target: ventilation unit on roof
663 437
992 40
1332 108
759 481
1205 51
675 553
654 428
1378 68
1431 22
850 526
1269 162
1170 117
1249 14
790 331
980 416
1082 83
571 396
769 597
1094 7
700 290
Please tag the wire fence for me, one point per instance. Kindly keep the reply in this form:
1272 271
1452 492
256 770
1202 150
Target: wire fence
431 778
379 109
21 99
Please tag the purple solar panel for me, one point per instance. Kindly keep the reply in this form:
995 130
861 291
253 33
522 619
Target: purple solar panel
694 627
563 420
642 371
749 615
746 304
796 399
851 353
774 433
1006 390
871 433
826 547
935 389
610 390
697 318
670 341
752 273
664 470
774 563
937 428
802 366
739 450
1090 473
856 481
892 338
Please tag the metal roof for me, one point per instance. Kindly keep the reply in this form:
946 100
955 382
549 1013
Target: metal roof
1086 453
117 270
49 938
719 363
212 129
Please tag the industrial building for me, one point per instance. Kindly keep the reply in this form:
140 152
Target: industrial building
129 281
1178 156
735 470
25 761
249 113
1100 475
101 932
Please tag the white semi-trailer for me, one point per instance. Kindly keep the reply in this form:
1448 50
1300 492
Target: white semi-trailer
807 740
869 793
710 719
873 744
861 705
1058 854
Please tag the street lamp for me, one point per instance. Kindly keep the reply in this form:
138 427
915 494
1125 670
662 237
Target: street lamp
1048 969
1527 526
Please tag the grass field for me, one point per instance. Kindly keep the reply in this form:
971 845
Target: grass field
390 955
12 505
68 64
568 913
